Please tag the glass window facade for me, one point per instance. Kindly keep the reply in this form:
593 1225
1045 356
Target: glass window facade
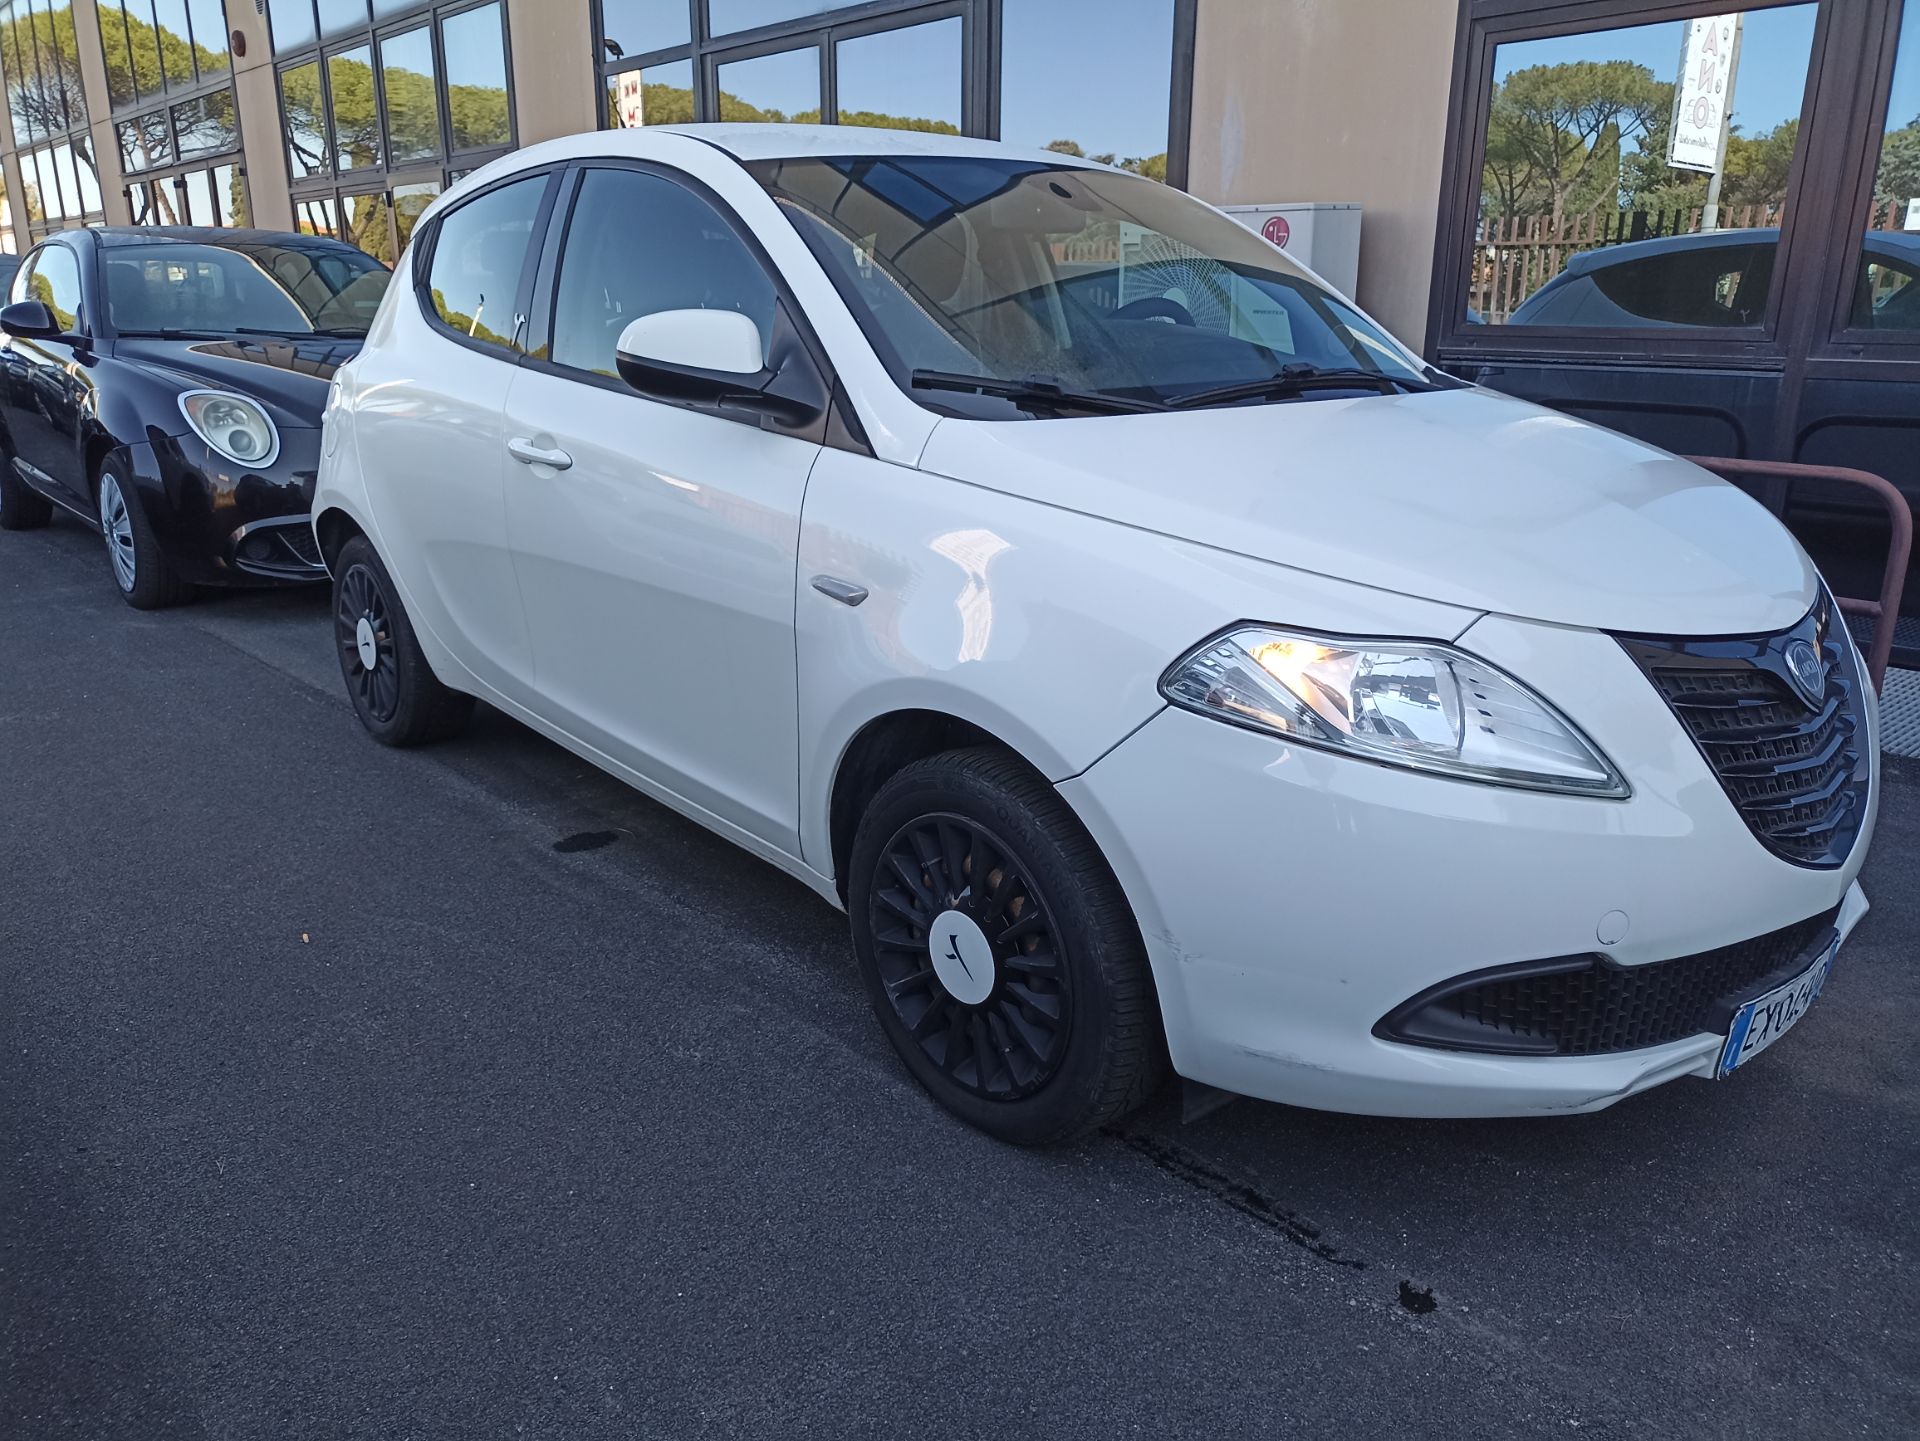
214 196
170 84
46 100
1115 89
383 103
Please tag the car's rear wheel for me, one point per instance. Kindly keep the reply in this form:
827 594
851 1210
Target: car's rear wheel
21 507
394 691
133 552
998 950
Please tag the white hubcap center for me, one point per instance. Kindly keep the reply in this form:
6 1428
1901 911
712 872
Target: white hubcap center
962 958
363 637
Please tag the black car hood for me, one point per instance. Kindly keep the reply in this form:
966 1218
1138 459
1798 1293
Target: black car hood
289 375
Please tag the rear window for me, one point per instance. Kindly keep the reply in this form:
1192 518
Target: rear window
479 255
1721 285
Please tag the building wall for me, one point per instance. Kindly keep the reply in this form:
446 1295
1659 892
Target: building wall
1337 100
554 88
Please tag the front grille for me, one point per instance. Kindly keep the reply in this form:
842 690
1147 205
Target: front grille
283 549
300 540
1592 1006
1796 767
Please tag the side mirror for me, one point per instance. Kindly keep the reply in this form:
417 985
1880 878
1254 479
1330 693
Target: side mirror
713 357
718 342
29 320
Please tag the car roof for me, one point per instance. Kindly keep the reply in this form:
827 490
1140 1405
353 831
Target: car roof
1889 242
116 235
785 142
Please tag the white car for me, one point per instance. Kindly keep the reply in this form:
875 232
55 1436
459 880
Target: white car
1159 662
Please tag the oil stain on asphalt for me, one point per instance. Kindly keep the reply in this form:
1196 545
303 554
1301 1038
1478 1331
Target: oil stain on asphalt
585 841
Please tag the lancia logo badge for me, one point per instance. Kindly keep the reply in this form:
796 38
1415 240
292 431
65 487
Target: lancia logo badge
1808 673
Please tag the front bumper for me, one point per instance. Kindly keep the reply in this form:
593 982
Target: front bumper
221 525
1290 897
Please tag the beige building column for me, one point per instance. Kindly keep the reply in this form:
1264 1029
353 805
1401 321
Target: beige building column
106 145
555 90
257 97
1337 100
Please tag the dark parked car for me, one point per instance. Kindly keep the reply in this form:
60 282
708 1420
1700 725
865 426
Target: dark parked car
1715 278
167 385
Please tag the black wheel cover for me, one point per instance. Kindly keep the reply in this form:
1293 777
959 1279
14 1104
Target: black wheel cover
377 690
1013 1042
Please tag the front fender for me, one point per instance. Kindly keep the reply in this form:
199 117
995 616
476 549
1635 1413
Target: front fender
1046 627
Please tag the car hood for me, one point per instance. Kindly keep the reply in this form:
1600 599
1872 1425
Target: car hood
289 375
1465 497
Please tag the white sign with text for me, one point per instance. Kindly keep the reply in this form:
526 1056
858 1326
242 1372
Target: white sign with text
1705 92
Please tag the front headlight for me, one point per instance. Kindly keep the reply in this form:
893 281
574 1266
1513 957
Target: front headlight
1428 707
233 425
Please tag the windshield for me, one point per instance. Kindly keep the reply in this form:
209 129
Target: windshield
242 289
1092 281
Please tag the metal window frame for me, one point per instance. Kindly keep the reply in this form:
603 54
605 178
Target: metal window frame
177 176
981 58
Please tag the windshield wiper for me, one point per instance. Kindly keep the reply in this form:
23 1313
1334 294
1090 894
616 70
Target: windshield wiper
325 332
1299 377
1035 392
172 334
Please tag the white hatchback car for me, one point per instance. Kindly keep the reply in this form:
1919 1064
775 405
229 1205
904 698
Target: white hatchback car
1157 660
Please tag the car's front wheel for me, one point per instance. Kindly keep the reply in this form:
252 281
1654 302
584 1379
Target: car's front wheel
389 680
998 950
133 551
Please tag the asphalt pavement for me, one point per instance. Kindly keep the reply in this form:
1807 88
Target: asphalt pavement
463 1093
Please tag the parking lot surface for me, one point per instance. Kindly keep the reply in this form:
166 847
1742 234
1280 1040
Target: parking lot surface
463 1093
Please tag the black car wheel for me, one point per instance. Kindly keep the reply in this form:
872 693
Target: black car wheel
21 507
998 950
393 688
139 569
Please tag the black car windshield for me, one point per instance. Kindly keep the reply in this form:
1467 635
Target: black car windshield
244 288
1070 288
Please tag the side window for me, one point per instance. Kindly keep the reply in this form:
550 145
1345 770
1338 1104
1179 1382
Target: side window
56 283
478 257
639 244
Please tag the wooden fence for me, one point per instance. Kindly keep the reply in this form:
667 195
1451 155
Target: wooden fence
1518 254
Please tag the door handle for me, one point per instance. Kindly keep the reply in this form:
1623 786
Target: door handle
527 453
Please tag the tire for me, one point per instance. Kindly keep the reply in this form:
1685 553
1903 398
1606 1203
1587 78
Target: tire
398 698
134 559
21 507
1031 1052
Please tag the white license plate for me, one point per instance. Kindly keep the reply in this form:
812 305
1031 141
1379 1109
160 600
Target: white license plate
1764 1020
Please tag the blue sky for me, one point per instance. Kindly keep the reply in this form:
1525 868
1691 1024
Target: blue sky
1904 104
1774 54
1102 82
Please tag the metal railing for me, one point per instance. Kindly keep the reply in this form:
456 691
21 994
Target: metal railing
1886 610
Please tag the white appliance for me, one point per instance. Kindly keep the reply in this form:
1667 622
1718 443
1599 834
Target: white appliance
1319 233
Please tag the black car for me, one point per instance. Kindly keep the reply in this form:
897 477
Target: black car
167 385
